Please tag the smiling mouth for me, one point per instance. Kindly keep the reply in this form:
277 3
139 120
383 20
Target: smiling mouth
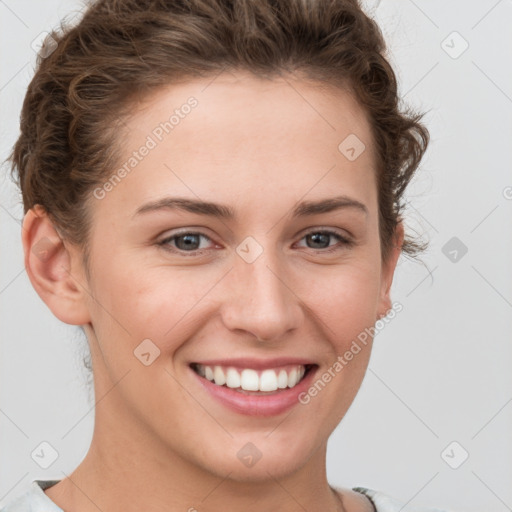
250 381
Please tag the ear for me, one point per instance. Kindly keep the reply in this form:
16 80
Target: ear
388 271
55 273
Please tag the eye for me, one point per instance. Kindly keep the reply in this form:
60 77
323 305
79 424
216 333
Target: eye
320 240
184 242
190 242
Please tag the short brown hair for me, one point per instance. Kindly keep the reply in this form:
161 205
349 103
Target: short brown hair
122 50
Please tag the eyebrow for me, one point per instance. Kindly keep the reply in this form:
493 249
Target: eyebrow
303 209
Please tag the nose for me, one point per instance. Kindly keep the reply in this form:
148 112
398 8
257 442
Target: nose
261 300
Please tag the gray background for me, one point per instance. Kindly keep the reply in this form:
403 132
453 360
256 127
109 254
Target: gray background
440 371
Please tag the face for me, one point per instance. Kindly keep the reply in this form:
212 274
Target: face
268 283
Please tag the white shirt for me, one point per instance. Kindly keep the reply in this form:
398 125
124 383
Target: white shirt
35 500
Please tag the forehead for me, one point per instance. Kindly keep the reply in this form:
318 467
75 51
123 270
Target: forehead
241 102
238 132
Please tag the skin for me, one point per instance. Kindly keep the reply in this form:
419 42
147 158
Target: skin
159 439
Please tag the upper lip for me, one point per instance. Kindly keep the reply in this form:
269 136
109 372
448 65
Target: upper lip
257 364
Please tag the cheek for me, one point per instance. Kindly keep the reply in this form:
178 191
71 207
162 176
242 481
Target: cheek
346 306
346 300
161 304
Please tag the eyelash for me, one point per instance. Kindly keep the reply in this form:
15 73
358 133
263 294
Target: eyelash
345 242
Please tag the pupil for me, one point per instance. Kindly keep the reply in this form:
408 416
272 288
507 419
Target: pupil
317 236
187 240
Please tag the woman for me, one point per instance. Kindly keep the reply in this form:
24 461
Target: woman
213 191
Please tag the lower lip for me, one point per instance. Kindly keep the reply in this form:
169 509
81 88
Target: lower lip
258 405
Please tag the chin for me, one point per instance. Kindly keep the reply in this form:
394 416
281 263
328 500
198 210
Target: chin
259 461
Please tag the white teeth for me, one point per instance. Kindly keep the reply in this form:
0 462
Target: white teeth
208 372
268 380
292 378
282 380
218 376
250 380
232 378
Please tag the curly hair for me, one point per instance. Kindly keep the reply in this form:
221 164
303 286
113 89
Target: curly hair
122 50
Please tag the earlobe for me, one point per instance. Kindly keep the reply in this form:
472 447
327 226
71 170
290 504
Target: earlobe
388 271
49 266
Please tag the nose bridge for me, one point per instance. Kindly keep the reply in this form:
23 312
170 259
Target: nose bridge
262 302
